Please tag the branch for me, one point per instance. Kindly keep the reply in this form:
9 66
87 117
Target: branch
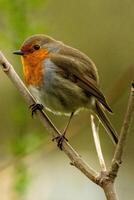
109 177
117 159
97 145
75 158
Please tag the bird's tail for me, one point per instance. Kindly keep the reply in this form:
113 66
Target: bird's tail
105 122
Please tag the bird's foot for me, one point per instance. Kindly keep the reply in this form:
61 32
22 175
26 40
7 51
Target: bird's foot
60 139
36 106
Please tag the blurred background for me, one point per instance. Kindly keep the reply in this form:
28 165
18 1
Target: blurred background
31 167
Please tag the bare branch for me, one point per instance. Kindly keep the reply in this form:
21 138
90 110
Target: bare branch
75 158
117 159
97 145
110 191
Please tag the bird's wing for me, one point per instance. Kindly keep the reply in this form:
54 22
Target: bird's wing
75 71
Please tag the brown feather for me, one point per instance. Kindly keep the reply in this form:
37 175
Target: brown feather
89 67
77 68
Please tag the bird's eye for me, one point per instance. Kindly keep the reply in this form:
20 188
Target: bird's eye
36 47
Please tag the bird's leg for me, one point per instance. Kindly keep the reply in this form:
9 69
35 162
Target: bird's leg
60 138
68 123
34 107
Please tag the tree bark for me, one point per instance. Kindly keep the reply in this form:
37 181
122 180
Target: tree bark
109 190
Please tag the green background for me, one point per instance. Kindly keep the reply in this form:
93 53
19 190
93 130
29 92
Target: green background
31 166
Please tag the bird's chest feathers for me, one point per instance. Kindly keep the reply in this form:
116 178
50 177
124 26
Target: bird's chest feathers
33 68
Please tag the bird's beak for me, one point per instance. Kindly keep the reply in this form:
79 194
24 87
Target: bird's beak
18 52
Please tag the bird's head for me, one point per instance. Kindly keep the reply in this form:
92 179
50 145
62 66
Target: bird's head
37 47
33 52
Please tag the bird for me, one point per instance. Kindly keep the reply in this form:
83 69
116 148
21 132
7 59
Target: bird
63 80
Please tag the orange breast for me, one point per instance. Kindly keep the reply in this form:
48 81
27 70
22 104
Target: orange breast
33 67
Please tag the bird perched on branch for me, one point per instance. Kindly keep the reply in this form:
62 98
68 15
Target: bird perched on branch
63 80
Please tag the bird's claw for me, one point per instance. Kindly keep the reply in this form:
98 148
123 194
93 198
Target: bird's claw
36 106
60 139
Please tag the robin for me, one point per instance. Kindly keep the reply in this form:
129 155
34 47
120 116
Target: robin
63 80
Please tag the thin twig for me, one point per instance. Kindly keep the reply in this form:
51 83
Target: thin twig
75 158
117 159
98 145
